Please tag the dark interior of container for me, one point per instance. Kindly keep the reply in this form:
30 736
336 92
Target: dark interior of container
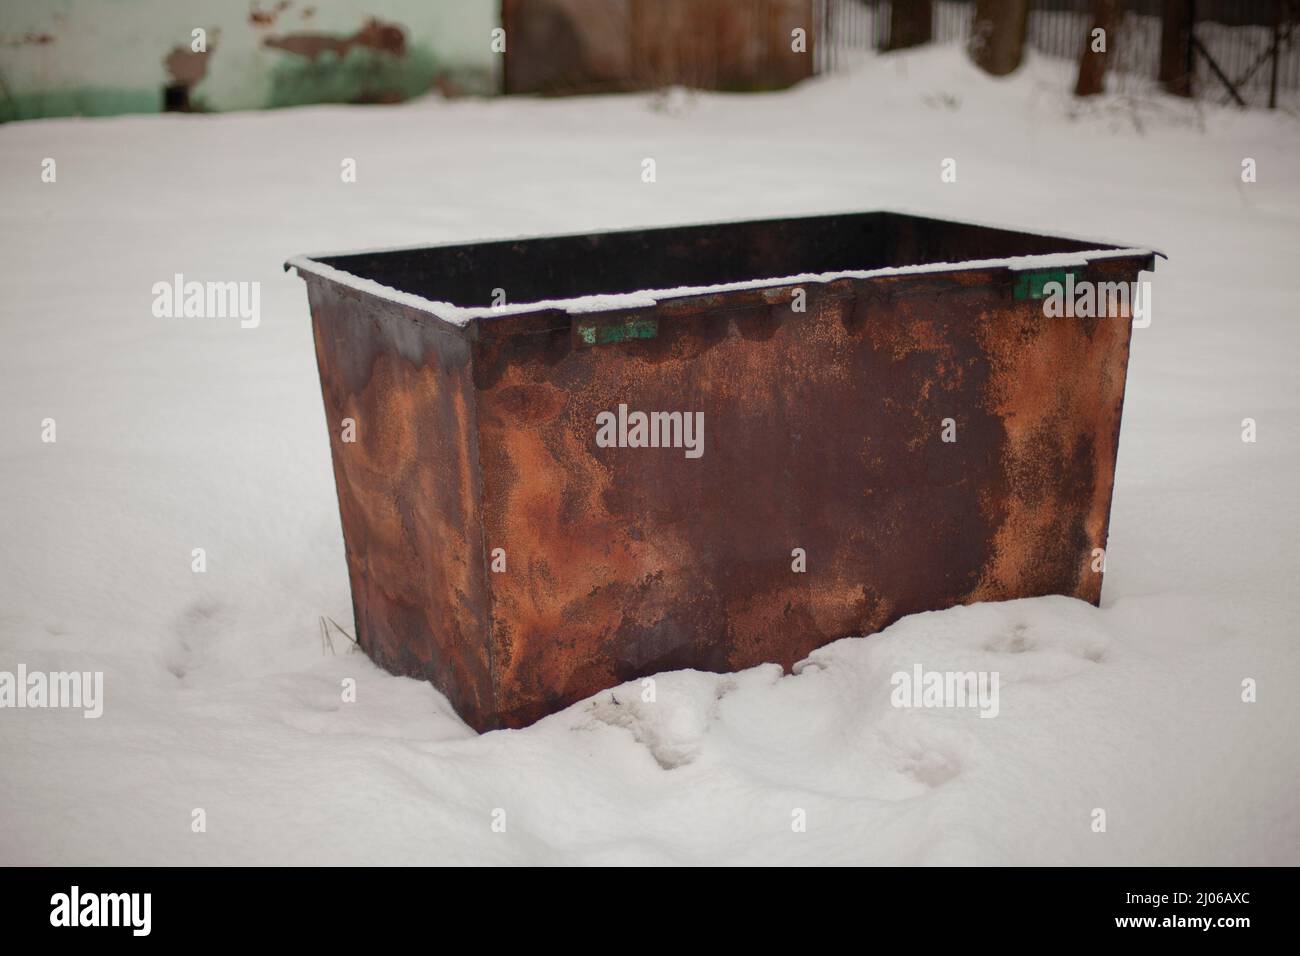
531 270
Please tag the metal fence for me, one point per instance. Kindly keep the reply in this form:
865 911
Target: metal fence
1236 34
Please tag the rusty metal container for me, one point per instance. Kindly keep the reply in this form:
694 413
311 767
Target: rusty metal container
891 424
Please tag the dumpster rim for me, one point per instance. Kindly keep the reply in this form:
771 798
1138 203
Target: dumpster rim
462 318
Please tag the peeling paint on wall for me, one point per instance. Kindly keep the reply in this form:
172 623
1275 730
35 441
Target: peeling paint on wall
87 57
373 65
186 68
267 18
385 37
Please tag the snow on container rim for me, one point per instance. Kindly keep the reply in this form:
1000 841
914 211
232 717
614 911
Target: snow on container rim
462 316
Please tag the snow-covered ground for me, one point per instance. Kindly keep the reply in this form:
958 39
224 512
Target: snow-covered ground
174 434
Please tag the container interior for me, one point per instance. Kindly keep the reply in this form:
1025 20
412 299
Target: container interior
565 267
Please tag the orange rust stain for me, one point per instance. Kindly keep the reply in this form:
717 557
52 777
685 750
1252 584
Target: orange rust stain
1050 388
407 496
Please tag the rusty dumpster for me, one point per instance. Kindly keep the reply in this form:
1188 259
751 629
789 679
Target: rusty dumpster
566 462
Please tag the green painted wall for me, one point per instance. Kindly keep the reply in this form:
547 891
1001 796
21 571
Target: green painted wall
103 57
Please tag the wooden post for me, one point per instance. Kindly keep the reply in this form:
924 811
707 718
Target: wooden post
1106 16
1277 53
1175 47
997 41
910 23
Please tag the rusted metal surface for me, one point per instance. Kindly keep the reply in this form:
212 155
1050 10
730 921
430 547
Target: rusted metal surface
584 46
822 432
408 491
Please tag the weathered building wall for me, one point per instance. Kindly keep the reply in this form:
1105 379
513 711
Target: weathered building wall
100 57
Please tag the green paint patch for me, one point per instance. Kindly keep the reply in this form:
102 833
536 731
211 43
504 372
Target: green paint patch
361 75
82 101
592 334
1029 285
